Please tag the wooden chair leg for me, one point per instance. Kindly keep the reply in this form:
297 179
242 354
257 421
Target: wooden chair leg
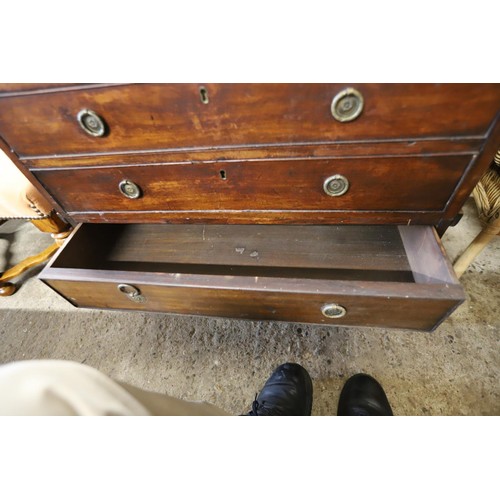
22 267
52 224
476 247
59 229
7 289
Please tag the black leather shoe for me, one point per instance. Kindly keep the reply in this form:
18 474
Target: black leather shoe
362 395
288 391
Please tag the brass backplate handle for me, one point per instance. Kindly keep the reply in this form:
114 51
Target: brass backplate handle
347 105
336 185
91 123
333 311
129 189
131 292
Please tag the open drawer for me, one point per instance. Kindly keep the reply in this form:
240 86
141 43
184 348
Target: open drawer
390 276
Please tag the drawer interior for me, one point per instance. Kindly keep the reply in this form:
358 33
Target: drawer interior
360 253
392 276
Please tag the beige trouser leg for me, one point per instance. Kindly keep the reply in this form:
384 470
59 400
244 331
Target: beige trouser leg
48 387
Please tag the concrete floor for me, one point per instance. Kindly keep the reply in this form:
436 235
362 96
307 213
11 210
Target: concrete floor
452 371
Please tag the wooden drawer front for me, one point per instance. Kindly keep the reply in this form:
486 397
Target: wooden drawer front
173 116
379 276
365 307
412 184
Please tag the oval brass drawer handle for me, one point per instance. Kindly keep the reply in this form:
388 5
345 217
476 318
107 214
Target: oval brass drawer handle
132 292
347 105
333 311
129 189
91 122
336 185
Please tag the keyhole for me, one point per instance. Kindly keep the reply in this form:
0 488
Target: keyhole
204 95
222 174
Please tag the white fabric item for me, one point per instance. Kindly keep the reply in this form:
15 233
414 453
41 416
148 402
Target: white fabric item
55 387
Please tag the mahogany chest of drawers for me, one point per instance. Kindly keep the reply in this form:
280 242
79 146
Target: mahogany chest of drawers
298 202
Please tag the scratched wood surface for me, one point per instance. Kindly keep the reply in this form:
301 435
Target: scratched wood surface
173 116
384 184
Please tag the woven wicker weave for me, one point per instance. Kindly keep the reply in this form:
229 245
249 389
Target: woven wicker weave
487 194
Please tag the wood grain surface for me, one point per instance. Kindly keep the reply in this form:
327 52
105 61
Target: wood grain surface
271 217
396 310
173 116
383 184
337 150
306 247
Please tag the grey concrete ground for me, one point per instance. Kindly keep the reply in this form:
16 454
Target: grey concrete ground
452 371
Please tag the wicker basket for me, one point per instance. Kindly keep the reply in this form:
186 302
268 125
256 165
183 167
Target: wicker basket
487 197
487 193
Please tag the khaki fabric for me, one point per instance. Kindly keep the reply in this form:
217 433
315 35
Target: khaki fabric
18 197
55 387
